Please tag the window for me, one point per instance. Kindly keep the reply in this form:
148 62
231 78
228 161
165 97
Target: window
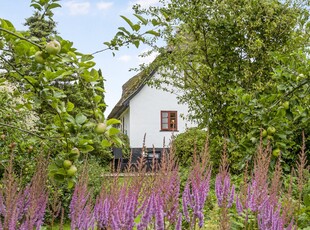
169 121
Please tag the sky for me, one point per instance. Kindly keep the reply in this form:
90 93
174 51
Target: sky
88 24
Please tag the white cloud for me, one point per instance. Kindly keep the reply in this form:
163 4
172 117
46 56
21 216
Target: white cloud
77 7
144 3
104 5
125 58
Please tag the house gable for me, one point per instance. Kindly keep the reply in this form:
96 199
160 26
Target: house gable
141 111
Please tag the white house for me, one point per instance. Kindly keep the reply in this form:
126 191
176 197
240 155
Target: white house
145 110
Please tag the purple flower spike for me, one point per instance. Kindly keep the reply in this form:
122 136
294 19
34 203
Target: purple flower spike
195 194
179 223
239 206
224 192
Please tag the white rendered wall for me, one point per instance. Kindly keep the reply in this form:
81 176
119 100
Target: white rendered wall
145 108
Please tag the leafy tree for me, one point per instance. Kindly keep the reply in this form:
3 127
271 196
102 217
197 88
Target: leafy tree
41 24
242 67
44 72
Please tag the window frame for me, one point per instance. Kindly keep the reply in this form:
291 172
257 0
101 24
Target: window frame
175 128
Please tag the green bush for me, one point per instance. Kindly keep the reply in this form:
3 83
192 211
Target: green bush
186 143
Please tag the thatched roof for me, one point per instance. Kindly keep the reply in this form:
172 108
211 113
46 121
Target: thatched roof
130 89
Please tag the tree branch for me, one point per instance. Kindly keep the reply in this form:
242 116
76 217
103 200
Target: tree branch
20 37
26 131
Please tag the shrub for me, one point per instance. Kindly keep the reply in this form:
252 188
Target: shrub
193 139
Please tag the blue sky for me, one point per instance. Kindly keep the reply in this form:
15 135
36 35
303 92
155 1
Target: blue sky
89 23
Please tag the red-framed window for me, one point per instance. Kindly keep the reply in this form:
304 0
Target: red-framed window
169 120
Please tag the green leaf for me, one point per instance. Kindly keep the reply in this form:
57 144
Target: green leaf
117 141
6 24
61 171
87 148
80 118
113 121
289 115
124 30
136 43
70 106
54 5
36 6
155 22
142 19
89 125
97 98
128 21
70 184
86 57
113 131
152 32
136 27
100 89
105 143
59 177
31 80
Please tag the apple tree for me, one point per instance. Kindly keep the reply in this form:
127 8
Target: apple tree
46 78
241 66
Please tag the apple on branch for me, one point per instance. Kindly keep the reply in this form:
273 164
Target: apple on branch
53 47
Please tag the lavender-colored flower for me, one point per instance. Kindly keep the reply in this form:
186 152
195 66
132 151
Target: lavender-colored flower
232 195
239 206
102 211
124 211
224 192
81 213
170 192
179 223
269 217
185 202
148 213
195 194
159 213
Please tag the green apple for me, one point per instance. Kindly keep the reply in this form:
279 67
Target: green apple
271 130
72 171
276 152
300 77
101 128
67 164
30 148
39 57
74 154
264 133
53 47
286 105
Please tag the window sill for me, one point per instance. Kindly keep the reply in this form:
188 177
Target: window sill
169 131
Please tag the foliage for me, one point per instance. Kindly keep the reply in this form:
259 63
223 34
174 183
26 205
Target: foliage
44 78
193 139
241 66
41 24
24 122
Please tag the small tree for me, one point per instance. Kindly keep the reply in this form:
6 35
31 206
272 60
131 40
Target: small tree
45 70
